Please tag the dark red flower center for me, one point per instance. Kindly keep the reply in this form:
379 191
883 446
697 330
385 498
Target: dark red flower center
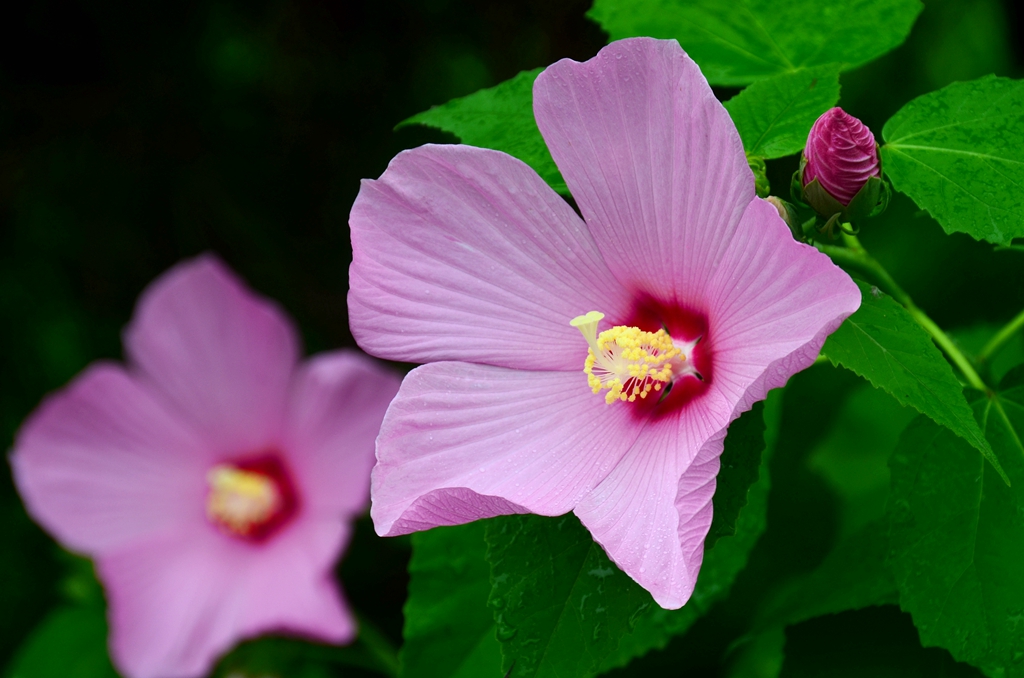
685 325
655 362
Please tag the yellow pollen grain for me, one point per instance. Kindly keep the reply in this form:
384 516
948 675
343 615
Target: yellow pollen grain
240 500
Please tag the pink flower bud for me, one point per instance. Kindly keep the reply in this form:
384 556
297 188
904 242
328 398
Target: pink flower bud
841 154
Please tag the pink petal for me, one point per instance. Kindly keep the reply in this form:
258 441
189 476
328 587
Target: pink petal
774 301
652 159
337 404
463 441
220 355
102 463
177 603
461 253
652 513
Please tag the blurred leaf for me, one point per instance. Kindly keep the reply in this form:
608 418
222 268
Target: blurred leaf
882 343
721 564
449 629
28 571
774 115
957 533
736 43
281 657
962 40
758 656
854 454
879 642
853 575
956 152
500 117
70 643
80 585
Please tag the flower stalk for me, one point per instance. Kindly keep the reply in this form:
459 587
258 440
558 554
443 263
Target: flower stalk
853 255
997 342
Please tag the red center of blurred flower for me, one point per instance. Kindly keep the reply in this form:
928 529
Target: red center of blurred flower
684 325
250 499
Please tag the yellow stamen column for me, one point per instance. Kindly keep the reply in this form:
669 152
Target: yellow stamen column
626 361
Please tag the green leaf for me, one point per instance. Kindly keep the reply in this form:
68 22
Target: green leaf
501 118
740 466
882 343
957 534
957 153
449 629
721 564
738 42
560 604
774 115
564 609
71 641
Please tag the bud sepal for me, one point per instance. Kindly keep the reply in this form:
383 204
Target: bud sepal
757 166
789 215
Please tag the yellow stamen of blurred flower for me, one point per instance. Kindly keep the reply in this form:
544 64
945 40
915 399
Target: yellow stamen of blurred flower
240 500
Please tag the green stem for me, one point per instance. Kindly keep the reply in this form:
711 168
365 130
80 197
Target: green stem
951 349
379 646
1003 336
855 256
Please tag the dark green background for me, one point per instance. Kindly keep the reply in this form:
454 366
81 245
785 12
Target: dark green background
133 134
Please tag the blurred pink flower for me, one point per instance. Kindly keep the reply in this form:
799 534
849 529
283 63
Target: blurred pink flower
214 479
465 259
841 154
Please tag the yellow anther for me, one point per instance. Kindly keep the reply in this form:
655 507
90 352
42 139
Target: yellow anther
241 500
626 361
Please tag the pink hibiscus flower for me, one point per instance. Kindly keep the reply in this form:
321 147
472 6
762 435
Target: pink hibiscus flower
214 479
466 260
